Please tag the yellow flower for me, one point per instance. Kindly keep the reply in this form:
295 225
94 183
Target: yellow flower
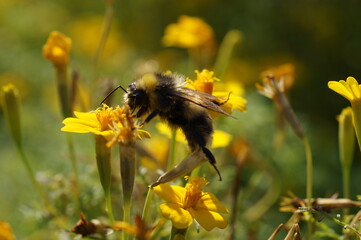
115 125
188 32
186 204
350 89
205 83
220 138
57 48
5 231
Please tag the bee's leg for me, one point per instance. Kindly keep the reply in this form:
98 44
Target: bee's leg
150 117
211 160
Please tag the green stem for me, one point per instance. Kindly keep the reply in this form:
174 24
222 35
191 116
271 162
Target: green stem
103 157
109 13
72 157
309 166
309 184
147 203
108 206
67 111
35 183
173 142
178 234
225 51
346 185
63 90
127 172
356 112
126 218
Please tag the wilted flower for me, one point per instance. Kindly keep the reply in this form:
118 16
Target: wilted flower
286 72
188 32
84 227
186 204
57 48
141 230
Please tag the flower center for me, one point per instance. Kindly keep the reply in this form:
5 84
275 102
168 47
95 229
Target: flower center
194 191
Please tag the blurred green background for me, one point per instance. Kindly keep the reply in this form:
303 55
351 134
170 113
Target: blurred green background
320 38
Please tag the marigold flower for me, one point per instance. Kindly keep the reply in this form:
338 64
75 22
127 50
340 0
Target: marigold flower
350 89
186 204
113 124
188 32
205 83
57 48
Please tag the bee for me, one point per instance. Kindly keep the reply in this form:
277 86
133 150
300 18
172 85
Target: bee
166 96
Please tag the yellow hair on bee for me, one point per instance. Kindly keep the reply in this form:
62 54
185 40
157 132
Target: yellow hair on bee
148 82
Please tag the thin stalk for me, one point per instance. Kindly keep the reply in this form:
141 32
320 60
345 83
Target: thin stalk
126 218
178 234
346 185
172 149
109 13
127 172
309 185
33 180
103 157
72 157
147 203
309 167
232 38
108 206
66 108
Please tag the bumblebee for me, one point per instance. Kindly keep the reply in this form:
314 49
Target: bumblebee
166 96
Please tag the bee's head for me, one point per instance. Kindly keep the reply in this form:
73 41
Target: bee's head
137 98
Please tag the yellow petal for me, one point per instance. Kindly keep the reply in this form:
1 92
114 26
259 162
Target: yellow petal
173 194
340 89
89 116
180 218
211 203
208 219
221 139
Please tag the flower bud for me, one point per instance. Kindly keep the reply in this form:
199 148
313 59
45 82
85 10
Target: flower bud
10 101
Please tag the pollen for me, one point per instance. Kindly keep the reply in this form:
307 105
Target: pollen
194 191
105 117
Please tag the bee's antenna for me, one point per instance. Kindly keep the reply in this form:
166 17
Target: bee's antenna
109 94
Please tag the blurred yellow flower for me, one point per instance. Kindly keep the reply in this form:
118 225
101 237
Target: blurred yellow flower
141 230
205 83
186 204
57 48
349 89
188 32
115 125
220 138
5 231
85 32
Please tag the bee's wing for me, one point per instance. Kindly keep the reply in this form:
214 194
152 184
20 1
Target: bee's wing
201 99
